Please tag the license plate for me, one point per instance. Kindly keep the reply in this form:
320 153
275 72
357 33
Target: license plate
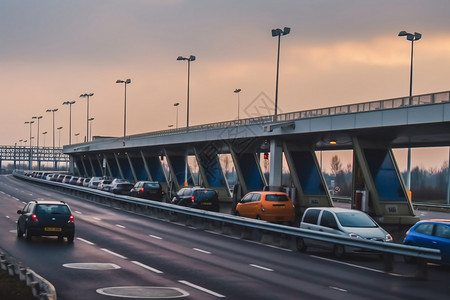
206 203
57 229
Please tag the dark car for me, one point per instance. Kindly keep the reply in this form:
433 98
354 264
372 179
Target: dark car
196 197
430 234
151 190
46 218
121 188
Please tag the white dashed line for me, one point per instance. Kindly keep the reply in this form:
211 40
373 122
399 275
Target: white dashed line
85 241
147 267
202 251
155 237
261 267
78 212
338 289
201 288
113 253
98 219
120 226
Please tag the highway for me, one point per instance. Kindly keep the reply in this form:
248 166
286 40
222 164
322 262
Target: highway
115 250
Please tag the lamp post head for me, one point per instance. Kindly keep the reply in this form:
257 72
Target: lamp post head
279 32
176 104
86 95
181 58
237 90
409 36
128 81
45 132
192 58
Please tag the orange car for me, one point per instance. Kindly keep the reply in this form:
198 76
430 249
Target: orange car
268 206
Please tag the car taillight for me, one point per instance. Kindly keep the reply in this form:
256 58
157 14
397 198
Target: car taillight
34 218
71 220
142 190
193 199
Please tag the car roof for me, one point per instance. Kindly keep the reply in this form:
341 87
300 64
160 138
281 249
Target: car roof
49 202
441 221
268 193
336 209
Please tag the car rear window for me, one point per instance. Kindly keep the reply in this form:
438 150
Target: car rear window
151 185
52 209
205 194
125 185
277 198
311 216
355 219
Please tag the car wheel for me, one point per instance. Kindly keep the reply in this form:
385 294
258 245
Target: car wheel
338 251
27 234
19 232
258 217
70 238
301 246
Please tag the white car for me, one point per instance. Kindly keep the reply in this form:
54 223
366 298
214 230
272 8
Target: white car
340 221
93 183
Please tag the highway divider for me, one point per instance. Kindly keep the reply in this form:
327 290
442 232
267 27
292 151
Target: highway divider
245 228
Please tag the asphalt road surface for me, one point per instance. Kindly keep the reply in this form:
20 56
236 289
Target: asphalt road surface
119 254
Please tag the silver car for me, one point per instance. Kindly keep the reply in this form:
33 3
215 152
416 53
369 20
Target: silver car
340 221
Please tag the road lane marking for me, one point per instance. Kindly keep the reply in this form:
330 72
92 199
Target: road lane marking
98 219
356 266
147 267
78 212
120 226
261 267
113 253
338 289
155 237
85 241
202 251
201 288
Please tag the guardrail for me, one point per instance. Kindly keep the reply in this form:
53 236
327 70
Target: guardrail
40 287
245 228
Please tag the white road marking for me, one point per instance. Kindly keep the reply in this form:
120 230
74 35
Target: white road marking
120 226
147 267
113 253
98 219
356 266
78 212
261 267
201 288
7 217
85 241
155 237
338 289
202 251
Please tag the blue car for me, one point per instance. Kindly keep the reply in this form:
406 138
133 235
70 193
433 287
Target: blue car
431 234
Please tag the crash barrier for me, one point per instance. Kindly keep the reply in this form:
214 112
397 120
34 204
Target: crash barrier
245 228
40 287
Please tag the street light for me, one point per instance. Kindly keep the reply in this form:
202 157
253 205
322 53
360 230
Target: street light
176 105
237 91
125 82
44 133
87 117
37 145
278 32
77 134
189 59
70 119
410 37
90 120
30 158
59 134
53 130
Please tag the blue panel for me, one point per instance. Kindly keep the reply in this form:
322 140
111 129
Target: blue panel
139 168
307 173
250 171
125 166
155 168
384 175
213 172
113 167
178 165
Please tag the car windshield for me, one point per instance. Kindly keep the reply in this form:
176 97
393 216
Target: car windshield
355 219
276 198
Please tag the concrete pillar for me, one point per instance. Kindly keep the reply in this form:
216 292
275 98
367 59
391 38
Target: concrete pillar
276 163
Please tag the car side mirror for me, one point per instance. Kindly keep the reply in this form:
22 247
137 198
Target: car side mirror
19 212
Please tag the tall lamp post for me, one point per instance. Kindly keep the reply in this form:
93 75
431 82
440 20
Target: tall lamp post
278 32
90 122
77 134
53 126
189 59
70 119
37 141
30 158
125 82
59 136
237 91
410 37
44 134
87 109
176 105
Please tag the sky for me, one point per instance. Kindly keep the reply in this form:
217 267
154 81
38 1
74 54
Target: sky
338 52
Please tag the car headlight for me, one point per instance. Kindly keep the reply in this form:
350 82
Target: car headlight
388 238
